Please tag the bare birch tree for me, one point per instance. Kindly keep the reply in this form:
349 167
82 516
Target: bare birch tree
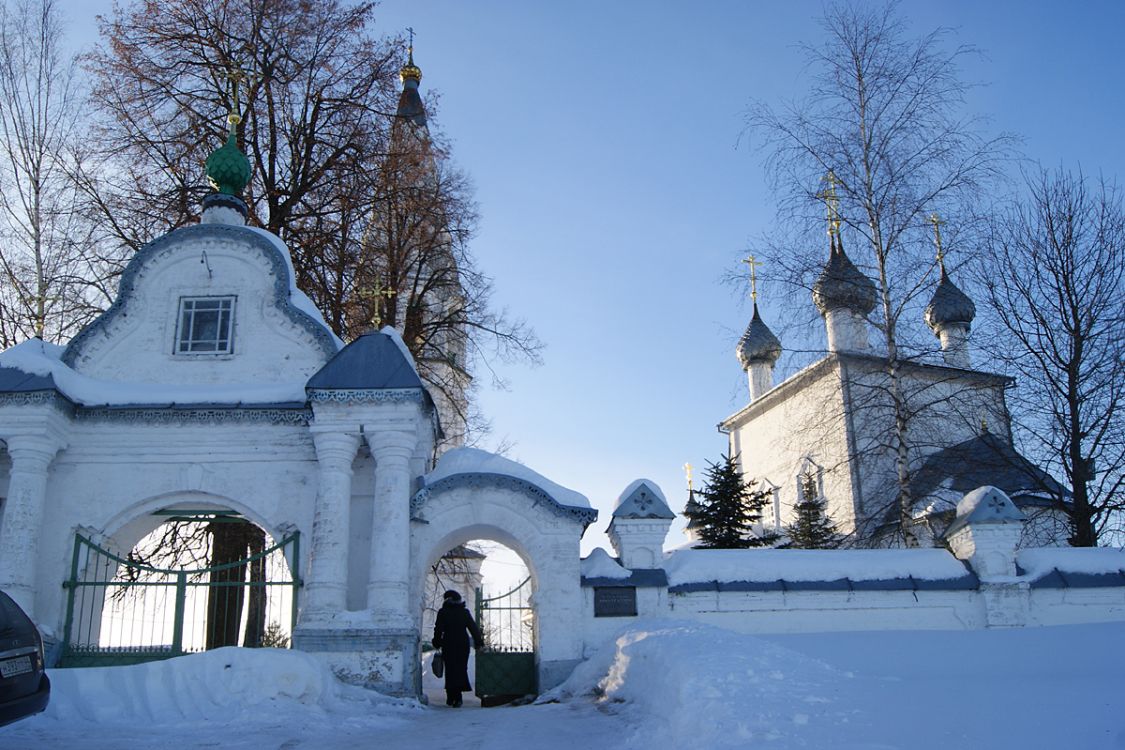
884 113
1054 272
47 273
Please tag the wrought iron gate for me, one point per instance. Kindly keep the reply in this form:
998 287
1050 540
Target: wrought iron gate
506 660
121 612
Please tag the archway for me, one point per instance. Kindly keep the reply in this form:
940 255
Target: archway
495 585
200 576
527 519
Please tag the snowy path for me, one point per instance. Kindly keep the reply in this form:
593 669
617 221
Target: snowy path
549 727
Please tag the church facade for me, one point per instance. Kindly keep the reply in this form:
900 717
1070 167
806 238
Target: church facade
830 427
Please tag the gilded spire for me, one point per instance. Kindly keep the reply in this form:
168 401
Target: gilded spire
410 71
228 169
831 203
750 261
937 222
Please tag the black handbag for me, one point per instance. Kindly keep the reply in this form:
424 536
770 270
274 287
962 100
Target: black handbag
438 664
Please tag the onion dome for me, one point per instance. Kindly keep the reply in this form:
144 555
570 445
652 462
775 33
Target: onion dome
843 286
410 105
949 306
228 169
758 344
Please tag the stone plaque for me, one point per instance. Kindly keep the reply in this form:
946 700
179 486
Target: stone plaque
615 601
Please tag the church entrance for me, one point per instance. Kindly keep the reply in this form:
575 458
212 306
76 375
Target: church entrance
202 579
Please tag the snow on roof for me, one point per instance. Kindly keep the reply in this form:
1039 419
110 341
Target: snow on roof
476 461
732 565
985 505
599 564
1041 561
37 357
643 498
297 298
396 337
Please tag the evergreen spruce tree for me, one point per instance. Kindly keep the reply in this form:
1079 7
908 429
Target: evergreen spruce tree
812 529
727 507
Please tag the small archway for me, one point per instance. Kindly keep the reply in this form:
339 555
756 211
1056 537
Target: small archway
496 586
527 519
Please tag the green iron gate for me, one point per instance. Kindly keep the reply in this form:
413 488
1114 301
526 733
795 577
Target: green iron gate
506 660
122 612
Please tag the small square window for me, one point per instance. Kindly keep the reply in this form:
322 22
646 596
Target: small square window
206 325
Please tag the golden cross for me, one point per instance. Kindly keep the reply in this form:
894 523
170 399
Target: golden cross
937 222
236 76
687 472
377 293
410 30
749 260
831 202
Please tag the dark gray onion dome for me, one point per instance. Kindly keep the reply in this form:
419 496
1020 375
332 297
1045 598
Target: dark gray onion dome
410 105
949 306
842 285
758 344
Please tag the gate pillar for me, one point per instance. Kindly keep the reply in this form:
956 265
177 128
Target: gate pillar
326 587
388 591
23 516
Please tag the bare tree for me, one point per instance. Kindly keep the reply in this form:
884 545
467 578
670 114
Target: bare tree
1054 272
375 215
45 263
884 115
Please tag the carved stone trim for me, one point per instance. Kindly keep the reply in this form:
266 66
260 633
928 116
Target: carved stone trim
38 398
214 232
480 480
195 415
388 395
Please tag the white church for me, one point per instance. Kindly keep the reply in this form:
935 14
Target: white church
829 425
213 391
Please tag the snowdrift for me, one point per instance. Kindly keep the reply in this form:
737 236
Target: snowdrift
231 682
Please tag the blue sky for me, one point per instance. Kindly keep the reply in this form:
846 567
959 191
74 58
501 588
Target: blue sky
603 139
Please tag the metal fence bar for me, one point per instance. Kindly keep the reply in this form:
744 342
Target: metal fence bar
112 617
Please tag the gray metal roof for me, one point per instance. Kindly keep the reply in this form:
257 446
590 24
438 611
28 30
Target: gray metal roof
949 305
983 460
1058 579
371 362
967 582
842 285
758 344
14 380
638 577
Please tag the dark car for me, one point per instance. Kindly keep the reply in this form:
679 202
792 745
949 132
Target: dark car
24 687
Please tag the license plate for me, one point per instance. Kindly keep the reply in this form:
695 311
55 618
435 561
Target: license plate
12 667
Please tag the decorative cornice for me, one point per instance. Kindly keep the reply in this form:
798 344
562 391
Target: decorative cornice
481 480
167 244
38 398
388 395
195 415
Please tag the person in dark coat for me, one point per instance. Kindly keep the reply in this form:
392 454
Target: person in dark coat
452 629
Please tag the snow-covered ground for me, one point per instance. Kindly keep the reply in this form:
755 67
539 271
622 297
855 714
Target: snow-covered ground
659 685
